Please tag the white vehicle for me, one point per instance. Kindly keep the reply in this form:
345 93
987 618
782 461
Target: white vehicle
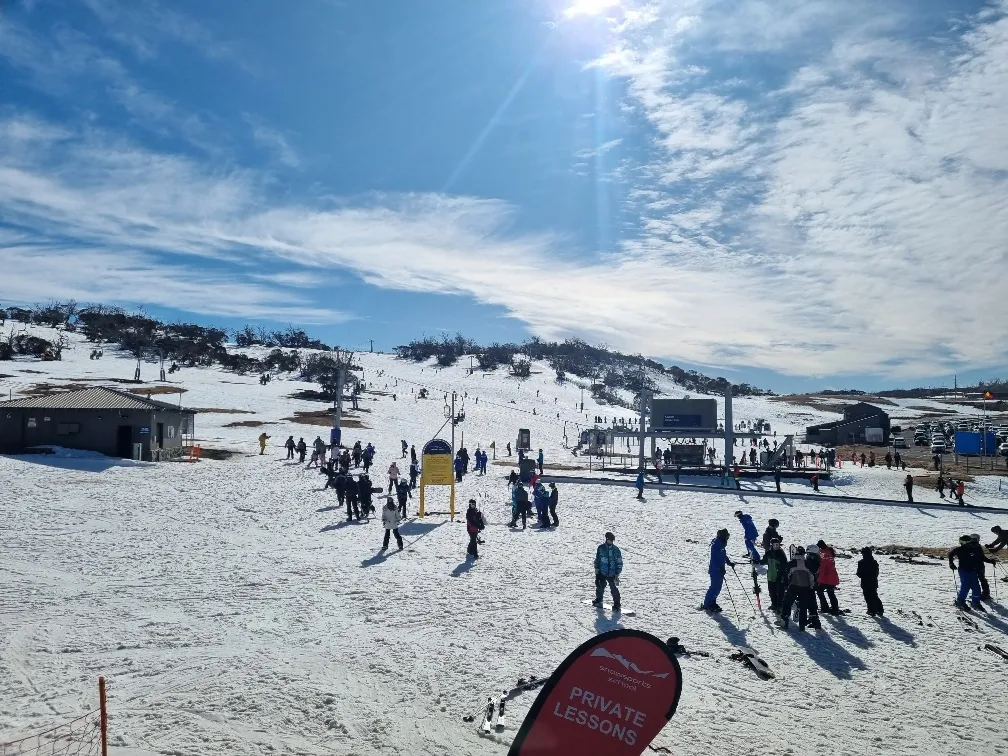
1003 449
899 442
937 447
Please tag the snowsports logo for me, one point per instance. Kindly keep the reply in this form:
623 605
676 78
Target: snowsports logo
590 708
628 664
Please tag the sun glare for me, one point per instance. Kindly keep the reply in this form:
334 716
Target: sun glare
589 7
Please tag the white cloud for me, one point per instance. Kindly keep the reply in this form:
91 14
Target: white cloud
274 141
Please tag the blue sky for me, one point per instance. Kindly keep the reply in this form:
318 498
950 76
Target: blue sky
798 194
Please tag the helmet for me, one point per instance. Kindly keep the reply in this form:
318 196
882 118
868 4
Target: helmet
974 536
723 533
774 523
964 539
799 550
610 536
812 549
738 512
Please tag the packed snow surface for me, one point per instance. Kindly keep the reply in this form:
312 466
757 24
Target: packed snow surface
233 610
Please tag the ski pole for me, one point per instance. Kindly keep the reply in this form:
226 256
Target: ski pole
745 592
738 619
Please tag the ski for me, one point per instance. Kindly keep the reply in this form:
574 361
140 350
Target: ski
996 650
969 624
499 721
624 612
754 661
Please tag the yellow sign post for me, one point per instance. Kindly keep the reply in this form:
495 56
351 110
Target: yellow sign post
437 471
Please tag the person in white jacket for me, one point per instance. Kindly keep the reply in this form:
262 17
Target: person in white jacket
393 476
391 519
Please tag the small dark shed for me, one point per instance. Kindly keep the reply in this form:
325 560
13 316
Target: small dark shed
108 421
857 419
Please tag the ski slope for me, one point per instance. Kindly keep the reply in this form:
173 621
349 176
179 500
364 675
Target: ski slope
233 611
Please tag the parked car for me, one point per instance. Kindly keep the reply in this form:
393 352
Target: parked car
899 442
1003 449
937 447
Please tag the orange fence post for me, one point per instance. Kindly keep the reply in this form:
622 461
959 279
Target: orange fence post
104 716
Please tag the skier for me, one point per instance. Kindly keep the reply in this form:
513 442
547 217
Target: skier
867 571
541 504
364 495
985 594
827 579
263 438
770 533
474 524
553 498
540 460
640 485
357 454
318 446
403 493
716 569
344 462
391 520
1000 540
393 476
908 485
519 505
352 496
368 457
302 450
751 534
971 564
608 566
800 584
289 445
776 561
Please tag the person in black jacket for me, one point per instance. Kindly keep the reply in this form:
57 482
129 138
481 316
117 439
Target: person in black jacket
1000 540
302 450
771 533
350 485
474 524
867 571
402 493
522 506
971 564
364 495
289 445
984 585
553 498
777 573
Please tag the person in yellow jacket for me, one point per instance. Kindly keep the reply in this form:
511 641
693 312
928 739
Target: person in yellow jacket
263 438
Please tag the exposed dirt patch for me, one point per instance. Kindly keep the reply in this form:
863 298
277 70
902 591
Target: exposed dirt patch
323 418
834 403
246 424
221 411
4 375
48 389
924 552
216 454
29 370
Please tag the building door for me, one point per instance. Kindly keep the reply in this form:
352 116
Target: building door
124 441
160 435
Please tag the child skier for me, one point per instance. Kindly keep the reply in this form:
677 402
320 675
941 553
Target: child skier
474 524
391 520
608 566
827 579
751 534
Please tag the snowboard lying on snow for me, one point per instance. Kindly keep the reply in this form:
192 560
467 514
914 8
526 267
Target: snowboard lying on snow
754 661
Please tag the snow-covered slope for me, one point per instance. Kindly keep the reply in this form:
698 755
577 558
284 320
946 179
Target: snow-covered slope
234 612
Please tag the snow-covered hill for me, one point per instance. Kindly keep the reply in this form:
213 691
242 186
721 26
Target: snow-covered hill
233 610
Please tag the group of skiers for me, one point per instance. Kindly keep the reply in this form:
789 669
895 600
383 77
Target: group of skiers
545 502
972 567
461 463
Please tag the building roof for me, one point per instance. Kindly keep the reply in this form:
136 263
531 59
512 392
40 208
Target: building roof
98 398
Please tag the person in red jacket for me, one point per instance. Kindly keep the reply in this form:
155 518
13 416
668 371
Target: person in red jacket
827 580
474 524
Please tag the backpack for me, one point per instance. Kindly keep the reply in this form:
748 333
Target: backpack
800 575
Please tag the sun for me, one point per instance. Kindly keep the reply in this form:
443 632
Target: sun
589 7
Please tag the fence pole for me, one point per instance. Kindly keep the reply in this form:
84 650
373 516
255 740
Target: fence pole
104 716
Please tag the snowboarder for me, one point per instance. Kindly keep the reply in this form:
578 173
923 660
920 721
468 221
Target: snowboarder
263 438
393 476
908 485
289 445
971 564
608 566
1000 540
776 562
302 450
391 520
553 498
716 570
827 579
868 571
800 584
474 524
751 534
639 484
770 533
403 493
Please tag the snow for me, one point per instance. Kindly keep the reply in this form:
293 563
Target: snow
232 610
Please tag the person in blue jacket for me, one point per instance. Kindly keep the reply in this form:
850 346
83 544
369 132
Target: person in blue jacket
459 468
718 561
751 535
640 485
608 566
542 504
540 460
